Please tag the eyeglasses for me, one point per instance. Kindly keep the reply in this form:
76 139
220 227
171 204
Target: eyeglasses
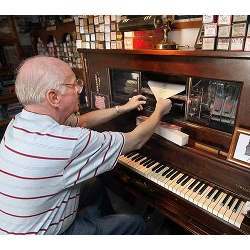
78 85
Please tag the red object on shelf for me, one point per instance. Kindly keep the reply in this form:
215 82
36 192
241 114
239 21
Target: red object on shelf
146 39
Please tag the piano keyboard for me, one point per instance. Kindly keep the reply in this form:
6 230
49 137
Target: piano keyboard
211 199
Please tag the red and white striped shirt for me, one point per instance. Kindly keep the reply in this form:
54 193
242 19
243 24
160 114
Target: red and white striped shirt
41 165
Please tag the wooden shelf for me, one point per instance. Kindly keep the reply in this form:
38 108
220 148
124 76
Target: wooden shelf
187 25
6 99
6 71
183 53
6 39
4 122
58 33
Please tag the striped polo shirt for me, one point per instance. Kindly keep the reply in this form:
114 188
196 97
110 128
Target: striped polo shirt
41 165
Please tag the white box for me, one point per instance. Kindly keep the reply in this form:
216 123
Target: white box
172 135
170 132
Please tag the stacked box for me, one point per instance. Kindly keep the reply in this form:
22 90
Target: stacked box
224 32
227 32
247 42
210 32
239 31
94 32
146 39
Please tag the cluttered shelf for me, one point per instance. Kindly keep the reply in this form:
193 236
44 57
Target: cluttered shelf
57 30
191 53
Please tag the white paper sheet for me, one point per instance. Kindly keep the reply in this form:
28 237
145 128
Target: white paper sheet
165 90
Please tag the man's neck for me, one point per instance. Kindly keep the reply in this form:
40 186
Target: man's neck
44 110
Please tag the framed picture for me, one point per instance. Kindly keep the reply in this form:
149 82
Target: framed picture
99 101
239 151
198 42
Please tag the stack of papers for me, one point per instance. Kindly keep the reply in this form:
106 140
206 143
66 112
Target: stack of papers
165 90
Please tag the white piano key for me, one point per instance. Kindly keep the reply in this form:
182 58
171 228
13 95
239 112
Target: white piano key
195 194
182 187
236 213
155 176
178 186
203 199
199 196
168 179
185 188
139 165
223 210
213 204
229 211
240 216
209 200
172 184
162 179
214 207
150 173
217 208
190 191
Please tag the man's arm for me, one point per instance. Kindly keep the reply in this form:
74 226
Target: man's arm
95 118
138 137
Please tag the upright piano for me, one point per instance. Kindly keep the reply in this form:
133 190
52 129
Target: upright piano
195 185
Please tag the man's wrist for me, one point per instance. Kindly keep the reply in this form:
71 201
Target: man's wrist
121 109
118 109
157 114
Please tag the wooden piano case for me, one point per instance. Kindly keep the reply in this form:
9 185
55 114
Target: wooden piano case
212 168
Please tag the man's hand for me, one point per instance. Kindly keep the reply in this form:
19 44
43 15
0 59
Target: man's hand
134 102
163 106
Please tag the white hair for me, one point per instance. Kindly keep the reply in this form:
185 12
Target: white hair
36 76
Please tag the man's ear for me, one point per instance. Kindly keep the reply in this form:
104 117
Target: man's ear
53 98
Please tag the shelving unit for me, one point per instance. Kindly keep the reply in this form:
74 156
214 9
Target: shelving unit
57 31
10 39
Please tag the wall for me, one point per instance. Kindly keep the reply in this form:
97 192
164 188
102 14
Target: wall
184 37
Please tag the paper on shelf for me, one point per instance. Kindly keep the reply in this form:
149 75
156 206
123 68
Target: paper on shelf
165 90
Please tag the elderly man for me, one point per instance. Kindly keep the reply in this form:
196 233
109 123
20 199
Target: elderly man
43 161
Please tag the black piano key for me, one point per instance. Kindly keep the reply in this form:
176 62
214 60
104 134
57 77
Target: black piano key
192 184
130 154
225 199
203 189
151 164
231 202
237 205
156 167
139 158
198 186
167 171
185 181
170 173
136 157
160 168
174 175
144 160
217 195
181 179
211 192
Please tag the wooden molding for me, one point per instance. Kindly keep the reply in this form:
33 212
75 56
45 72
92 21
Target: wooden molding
187 25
